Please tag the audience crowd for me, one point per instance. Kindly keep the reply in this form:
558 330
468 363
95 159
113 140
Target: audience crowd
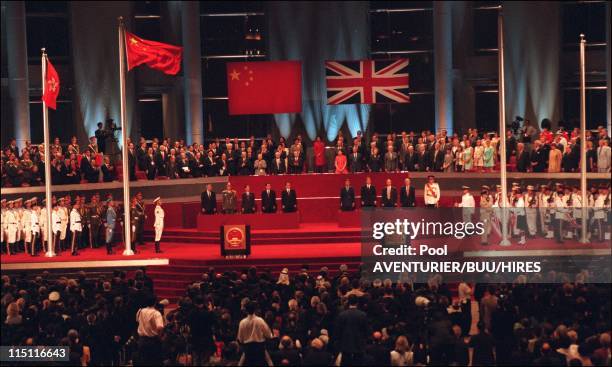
530 150
311 318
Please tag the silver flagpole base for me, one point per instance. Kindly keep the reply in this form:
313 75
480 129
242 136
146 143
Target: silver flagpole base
505 242
50 254
128 252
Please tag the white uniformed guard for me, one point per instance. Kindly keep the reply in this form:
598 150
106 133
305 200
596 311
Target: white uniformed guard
18 210
159 223
467 203
64 219
26 224
531 214
431 192
76 227
56 228
35 220
3 224
560 211
11 230
42 221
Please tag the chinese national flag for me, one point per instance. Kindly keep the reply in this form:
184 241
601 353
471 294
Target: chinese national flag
52 86
263 87
160 56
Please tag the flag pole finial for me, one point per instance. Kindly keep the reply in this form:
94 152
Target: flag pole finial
43 50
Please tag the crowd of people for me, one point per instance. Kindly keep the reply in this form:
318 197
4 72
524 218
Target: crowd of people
312 318
531 150
75 224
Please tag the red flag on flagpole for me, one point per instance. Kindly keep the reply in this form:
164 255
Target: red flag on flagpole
52 86
160 56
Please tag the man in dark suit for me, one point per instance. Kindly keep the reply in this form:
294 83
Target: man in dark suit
87 169
410 159
422 160
355 160
368 194
161 161
437 158
289 199
522 158
132 161
388 195
347 197
209 200
278 165
268 200
352 330
101 137
539 157
248 201
407 195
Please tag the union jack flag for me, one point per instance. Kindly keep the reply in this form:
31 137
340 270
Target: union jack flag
367 81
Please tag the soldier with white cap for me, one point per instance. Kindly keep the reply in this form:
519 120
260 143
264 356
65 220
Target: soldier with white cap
35 225
560 212
544 201
64 219
56 229
3 224
467 203
486 213
76 227
26 224
11 230
18 209
519 211
531 215
159 223
111 218
42 222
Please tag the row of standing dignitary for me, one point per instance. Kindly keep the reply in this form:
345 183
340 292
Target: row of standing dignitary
74 226
229 201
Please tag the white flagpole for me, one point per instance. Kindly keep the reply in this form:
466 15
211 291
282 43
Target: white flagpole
502 131
49 206
124 153
583 162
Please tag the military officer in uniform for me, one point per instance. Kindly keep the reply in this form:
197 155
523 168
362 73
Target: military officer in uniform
531 211
467 203
64 219
140 208
26 224
228 203
486 213
95 221
134 222
35 220
3 224
18 209
158 225
11 229
42 222
76 227
560 213
85 223
56 227
109 226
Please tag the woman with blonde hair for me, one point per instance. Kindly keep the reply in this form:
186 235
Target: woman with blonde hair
402 354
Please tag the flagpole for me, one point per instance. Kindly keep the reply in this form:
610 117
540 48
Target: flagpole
502 130
583 161
49 206
124 153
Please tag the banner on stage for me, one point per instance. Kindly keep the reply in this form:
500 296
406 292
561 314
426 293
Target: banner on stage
235 240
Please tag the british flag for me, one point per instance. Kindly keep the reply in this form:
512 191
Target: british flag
367 81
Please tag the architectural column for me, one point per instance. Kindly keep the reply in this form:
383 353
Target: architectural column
17 64
192 73
443 65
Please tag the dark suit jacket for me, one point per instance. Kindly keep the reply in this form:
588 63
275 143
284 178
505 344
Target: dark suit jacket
268 202
410 161
209 204
347 199
289 201
539 157
423 161
279 168
368 197
352 331
437 161
355 163
407 199
161 163
374 163
388 202
522 161
248 203
90 174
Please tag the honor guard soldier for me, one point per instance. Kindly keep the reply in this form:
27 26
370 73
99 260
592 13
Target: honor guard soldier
544 215
26 224
158 225
18 209
95 221
64 219
11 229
248 201
56 228
601 212
486 213
560 212
76 227
467 203
531 211
431 192
3 225
109 226
35 219
134 222
84 210
519 211
140 207
42 222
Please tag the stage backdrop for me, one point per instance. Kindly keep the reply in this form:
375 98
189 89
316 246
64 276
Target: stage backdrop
96 69
314 32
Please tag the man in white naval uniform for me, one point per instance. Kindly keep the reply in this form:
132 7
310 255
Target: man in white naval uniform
76 227
159 223
26 224
56 228
3 223
431 192
468 204
11 229
64 220
35 220
531 210
560 213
